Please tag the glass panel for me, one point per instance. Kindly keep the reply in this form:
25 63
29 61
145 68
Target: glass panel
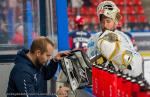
51 20
12 21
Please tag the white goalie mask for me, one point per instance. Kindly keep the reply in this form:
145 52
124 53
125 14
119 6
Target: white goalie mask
109 9
115 48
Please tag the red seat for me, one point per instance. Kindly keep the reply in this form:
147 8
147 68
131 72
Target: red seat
127 10
139 10
96 2
130 10
121 9
142 19
83 10
69 11
137 2
87 19
119 2
132 19
92 10
129 2
71 18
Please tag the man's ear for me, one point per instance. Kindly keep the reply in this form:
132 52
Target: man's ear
38 53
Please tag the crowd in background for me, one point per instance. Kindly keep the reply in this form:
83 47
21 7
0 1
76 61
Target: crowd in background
12 21
76 7
11 16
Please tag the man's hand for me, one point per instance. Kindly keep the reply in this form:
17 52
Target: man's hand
63 91
59 56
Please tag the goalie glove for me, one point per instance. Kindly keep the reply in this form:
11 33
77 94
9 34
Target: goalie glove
116 47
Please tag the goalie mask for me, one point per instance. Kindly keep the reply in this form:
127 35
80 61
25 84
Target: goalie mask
115 48
109 9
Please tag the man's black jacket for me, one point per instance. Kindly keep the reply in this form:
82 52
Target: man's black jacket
26 80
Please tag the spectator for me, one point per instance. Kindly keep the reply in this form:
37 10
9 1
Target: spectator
77 4
79 37
18 37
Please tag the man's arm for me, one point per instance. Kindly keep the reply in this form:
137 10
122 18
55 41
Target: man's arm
25 85
50 69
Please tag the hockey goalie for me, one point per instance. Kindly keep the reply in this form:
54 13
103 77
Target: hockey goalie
111 45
